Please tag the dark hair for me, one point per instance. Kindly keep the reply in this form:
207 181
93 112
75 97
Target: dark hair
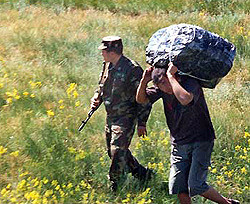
157 74
117 50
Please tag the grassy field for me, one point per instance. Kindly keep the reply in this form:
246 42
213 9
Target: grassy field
49 68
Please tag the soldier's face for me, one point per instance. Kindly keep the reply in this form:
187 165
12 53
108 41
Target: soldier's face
107 56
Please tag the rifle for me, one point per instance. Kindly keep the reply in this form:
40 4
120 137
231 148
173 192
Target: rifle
101 82
90 113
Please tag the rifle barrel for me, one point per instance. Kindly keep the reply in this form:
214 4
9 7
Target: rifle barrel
90 113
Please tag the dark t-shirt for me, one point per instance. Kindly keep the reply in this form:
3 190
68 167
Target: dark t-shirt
188 123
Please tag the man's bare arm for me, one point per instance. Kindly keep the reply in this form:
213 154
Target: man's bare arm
141 96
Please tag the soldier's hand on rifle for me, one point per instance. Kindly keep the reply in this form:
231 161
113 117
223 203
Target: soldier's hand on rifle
141 131
95 102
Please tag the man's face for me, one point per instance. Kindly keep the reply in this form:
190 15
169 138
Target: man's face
164 85
107 56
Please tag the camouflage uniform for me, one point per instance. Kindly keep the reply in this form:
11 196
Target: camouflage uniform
119 91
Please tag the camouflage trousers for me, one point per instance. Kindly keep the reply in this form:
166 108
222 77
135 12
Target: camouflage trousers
118 137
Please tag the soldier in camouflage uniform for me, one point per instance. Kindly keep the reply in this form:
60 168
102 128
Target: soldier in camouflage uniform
118 96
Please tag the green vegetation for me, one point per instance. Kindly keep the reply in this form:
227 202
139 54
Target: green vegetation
49 68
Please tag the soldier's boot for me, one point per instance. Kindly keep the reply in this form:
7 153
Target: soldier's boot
142 173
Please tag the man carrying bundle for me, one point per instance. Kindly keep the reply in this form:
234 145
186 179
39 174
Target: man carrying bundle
117 91
191 131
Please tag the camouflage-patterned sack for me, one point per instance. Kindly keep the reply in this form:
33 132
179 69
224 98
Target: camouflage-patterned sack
195 51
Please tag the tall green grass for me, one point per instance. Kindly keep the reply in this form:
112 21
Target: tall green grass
49 68
137 7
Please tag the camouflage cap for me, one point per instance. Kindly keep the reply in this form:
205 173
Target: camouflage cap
110 42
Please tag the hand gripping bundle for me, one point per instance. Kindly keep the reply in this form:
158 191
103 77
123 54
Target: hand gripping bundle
196 52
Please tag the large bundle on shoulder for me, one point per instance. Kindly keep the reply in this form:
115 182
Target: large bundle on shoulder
196 52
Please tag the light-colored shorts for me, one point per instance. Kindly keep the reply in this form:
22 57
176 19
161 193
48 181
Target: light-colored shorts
189 168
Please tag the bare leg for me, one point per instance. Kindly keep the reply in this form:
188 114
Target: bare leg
184 198
213 195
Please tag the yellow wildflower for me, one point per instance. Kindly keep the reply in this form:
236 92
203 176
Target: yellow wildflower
13 200
9 100
45 180
127 200
17 97
152 165
138 145
245 150
214 171
4 192
39 84
237 148
85 197
9 94
142 201
2 150
83 184
160 166
57 187
71 89
77 188
36 183
72 150
146 138
89 186
24 174
77 103
48 193
230 173
50 113
60 101
32 84
14 154
243 157
25 93
45 200
224 168
61 107
32 95
243 170
21 185
201 14
247 134
61 193
70 185
241 29
80 155
165 142
75 94
34 195
54 183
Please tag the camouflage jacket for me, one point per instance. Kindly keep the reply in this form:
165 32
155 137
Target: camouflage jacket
119 92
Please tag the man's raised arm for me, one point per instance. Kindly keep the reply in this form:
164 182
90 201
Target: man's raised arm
141 96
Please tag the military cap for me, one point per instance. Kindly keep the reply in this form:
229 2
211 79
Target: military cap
110 42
